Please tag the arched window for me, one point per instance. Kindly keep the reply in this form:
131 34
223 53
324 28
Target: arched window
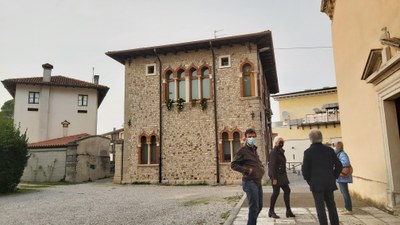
236 142
171 85
248 85
144 150
194 84
181 84
226 148
153 150
205 82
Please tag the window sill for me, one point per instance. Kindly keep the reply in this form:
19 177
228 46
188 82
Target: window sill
148 165
249 98
224 163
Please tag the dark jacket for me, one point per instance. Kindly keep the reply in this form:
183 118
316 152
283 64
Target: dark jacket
321 167
245 159
277 163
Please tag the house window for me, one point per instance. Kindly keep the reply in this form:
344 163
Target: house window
205 82
194 84
230 145
248 81
171 85
151 69
224 61
226 148
236 142
33 97
148 150
82 100
144 150
181 84
153 150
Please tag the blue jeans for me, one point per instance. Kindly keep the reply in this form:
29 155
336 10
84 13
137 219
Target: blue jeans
254 195
344 188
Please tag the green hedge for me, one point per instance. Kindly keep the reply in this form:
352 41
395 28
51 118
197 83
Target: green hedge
13 156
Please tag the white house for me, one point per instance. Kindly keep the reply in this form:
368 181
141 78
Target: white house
50 107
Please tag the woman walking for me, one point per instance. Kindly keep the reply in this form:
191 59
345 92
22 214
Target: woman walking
278 176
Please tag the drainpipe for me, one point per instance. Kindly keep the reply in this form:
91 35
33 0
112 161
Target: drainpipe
122 161
215 110
161 127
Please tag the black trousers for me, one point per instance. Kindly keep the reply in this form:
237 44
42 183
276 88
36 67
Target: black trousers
275 194
322 198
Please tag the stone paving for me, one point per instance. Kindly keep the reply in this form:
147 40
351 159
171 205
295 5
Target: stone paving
303 207
308 216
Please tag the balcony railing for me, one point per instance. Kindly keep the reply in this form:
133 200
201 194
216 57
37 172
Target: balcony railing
324 118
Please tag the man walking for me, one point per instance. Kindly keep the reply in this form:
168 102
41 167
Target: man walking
248 163
321 167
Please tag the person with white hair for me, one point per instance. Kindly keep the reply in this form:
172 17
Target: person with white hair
321 167
278 176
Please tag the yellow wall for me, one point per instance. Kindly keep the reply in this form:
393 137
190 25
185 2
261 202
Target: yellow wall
300 106
356 29
296 137
328 133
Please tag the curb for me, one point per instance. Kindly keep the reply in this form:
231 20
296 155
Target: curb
235 211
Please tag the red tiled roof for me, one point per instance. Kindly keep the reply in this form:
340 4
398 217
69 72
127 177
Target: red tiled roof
10 84
58 142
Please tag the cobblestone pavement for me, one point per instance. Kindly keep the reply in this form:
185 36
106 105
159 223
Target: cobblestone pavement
303 207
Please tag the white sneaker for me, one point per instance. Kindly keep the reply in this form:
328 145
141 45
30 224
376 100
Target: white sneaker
347 212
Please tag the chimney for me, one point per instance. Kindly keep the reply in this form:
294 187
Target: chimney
47 72
65 125
96 79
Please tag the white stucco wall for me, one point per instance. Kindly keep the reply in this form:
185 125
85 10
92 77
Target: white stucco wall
63 105
26 120
45 165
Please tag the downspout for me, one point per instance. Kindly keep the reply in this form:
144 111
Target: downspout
122 161
215 111
160 113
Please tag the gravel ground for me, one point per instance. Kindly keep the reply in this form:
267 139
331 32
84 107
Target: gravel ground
102 202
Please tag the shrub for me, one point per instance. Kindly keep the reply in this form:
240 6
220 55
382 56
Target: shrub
13 156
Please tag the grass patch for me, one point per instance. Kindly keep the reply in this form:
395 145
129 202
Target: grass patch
224 215
201 201
233 198
24 186
26 190
46 183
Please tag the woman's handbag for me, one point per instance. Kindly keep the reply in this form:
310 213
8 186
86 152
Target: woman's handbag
346 171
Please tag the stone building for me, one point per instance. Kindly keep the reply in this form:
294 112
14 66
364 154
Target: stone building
187 106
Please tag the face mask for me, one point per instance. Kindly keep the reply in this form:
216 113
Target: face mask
251 141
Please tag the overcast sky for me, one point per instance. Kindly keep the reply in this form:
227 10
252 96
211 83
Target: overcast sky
73 36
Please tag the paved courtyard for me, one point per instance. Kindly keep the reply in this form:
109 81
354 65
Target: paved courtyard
303 207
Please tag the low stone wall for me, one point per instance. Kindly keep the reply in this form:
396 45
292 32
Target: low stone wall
45 165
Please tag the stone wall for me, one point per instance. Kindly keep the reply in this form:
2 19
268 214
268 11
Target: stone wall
45 165
188 140
88 159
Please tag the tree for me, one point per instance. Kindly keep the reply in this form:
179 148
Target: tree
8 109
13 156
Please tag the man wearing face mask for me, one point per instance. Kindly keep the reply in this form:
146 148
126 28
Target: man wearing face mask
278 176
248 163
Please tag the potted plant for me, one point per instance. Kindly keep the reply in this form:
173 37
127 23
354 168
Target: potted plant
169 104
180 104
203 104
